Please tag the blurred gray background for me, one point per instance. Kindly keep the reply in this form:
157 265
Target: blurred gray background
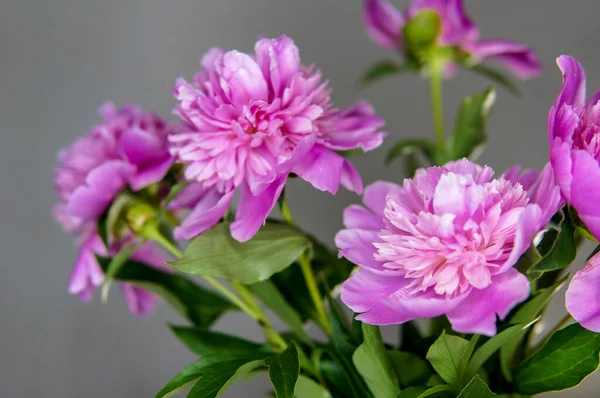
60 59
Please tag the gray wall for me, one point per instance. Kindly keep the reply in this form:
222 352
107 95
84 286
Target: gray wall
59 59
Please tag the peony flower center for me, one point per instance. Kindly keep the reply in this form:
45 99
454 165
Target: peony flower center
587 134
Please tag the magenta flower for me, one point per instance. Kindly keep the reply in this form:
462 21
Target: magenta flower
445 243
583 296
574 134
127 150
385 24
254 119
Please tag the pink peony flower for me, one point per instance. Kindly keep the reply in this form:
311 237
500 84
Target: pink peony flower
583 296
385 24
445 243
574 134
254 119
127 150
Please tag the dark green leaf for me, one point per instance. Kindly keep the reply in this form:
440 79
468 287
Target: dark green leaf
284 370
384 68
206 342
215 253
103 230
446 356
412 392
200 306
308 388
484 352
214 382
563 250
372 362
477 389
568 357
469 127
268 293
422 30
411 146
411 369
496 77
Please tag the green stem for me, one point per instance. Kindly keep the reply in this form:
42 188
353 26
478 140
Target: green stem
249 306
437 106
309 276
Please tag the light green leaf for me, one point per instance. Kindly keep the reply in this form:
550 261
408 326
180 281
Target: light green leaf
412 392
372 362
438 391
307 388
385 68
218 379
411 146
284 370
477 389
215 253
206 342
410 369
200 306
446 355
268 293
566 359
469 127
484 352
563 250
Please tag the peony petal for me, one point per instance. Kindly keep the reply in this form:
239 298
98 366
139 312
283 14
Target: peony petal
245 81
530 223
357 245
518 58
208 211
279 60
358 217
477 312
562 163
139 301
375 195
585 191
583 296
350 178
151 174
322 168
383 22
253 210
573 88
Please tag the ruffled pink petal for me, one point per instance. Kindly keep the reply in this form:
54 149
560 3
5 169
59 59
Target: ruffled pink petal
530 222
322 168
583 296
585 191
245 81
477 312
87 274
562 163
139 301
518 58
376 193
383 22
208 211
544 191
279 60
356 216
573 89
357 246
140 147
151 174
252 211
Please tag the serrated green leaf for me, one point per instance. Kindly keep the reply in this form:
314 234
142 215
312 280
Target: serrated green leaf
213 383
496 77
563 250
566 359
446 356
477 389
284 370
308 388
206 342
268 293
469 127
215 253
200 306
410 369
411 146
373 363
384 68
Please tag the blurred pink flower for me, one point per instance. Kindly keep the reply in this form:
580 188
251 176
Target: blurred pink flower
445 243
254 119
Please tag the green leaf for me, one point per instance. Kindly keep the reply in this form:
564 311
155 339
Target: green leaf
206 342
411 146
268 293
512 351
213 383
308 388
563 250
412 392
372 362
284 370
477 389
484 352
385 68
410 369
568 357
175 190
200 306
422 30
215 253
446 355
496 77
440 391
469 127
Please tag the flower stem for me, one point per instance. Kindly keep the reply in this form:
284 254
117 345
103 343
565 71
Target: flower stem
247 303
437 106
309 276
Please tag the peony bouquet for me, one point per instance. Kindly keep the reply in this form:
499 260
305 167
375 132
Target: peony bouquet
463 259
